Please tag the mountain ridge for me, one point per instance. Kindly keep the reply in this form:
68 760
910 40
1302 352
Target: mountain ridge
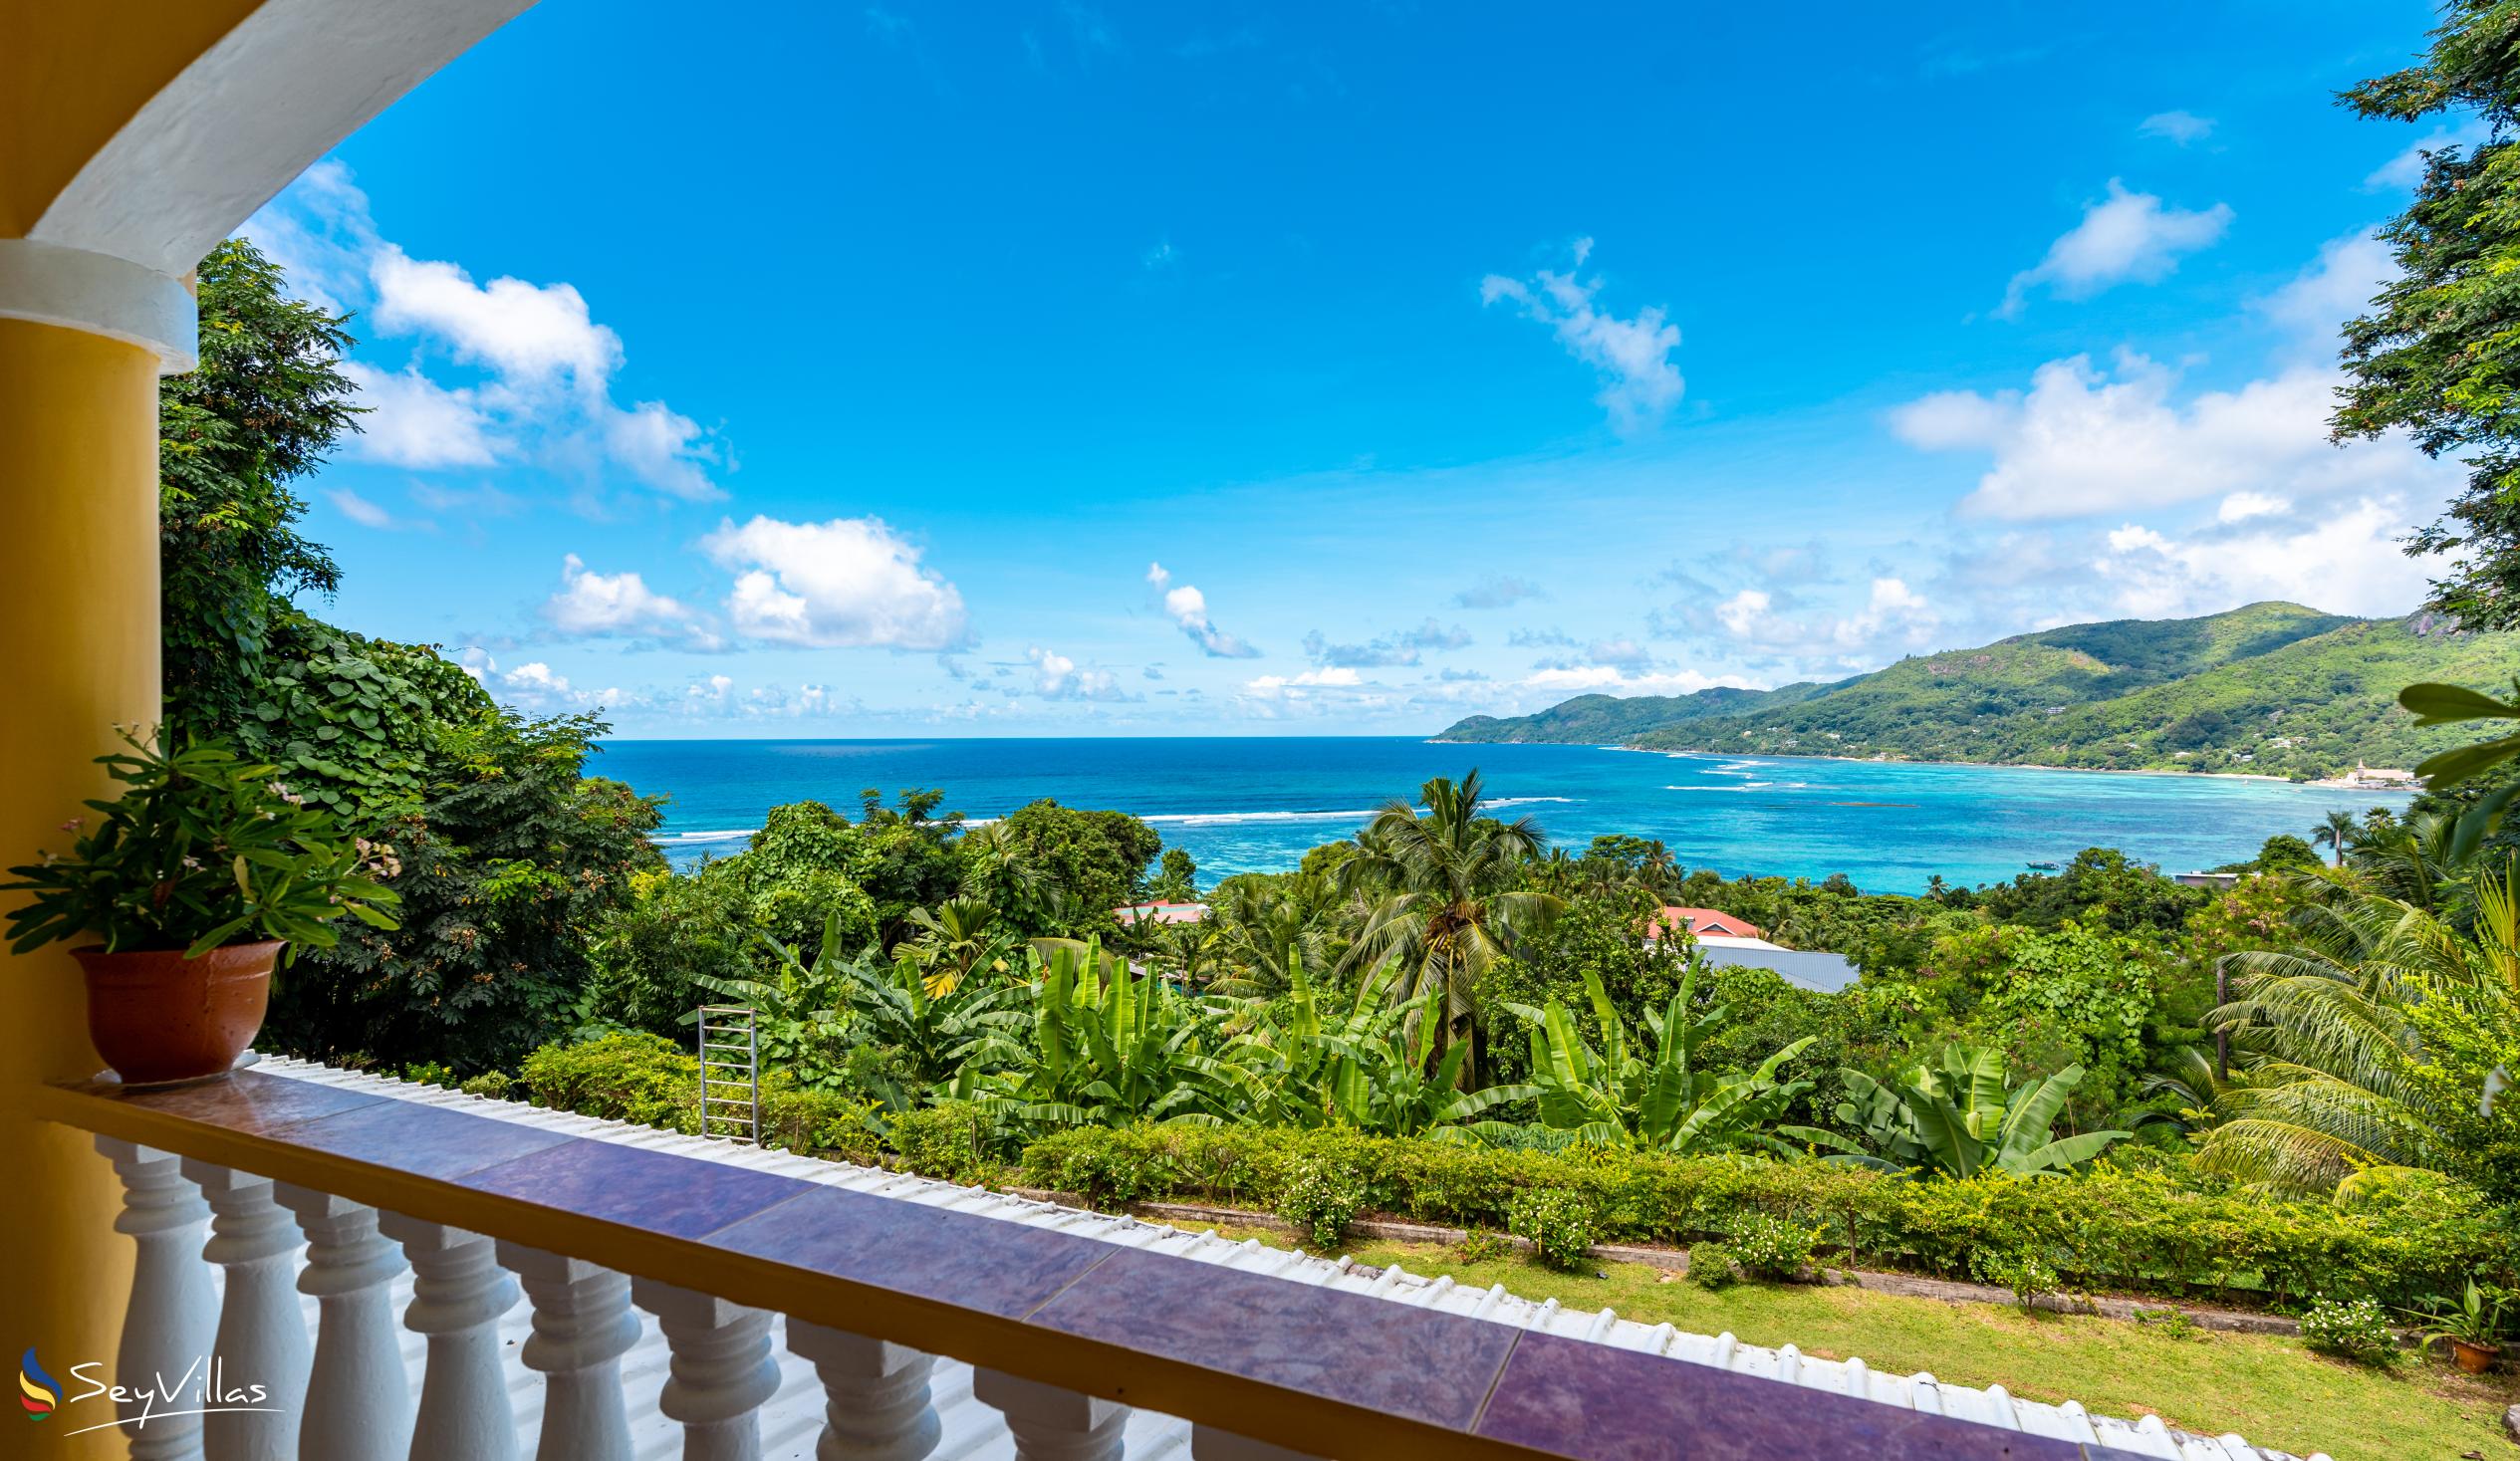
2270 688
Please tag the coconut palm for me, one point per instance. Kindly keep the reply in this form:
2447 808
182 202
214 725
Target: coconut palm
2340 830
1444 896
2342 1037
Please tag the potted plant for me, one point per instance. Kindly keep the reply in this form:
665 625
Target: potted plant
203 872
2470 1325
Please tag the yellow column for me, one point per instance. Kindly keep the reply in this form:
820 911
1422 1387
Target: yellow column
78 649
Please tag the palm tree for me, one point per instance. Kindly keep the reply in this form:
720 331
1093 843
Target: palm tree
2342 1039
957 936
1445 899
998 866
2338 831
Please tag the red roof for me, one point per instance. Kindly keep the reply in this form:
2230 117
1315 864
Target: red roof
1709 921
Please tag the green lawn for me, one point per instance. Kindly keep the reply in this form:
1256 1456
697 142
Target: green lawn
2271 1390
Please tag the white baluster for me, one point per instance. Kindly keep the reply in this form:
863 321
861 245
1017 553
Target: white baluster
458 1291
173 1317
721 1373
583 1326
876 1405
358 1395
1049 1423
1207 1443
262 1341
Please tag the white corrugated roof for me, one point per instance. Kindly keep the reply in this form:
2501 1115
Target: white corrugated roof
791 1419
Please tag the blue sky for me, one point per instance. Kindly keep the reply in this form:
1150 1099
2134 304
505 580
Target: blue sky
1066 368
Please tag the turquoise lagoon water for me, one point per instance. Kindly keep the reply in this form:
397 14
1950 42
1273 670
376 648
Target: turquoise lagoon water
1255 805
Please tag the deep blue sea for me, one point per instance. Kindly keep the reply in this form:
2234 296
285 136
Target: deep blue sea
1245 805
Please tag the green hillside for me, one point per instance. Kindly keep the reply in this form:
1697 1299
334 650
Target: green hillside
1596 719
2273 687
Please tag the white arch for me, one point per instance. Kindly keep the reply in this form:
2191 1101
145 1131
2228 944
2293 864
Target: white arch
232 128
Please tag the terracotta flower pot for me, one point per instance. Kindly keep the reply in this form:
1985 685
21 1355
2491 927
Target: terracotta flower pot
2475 1358
155 1015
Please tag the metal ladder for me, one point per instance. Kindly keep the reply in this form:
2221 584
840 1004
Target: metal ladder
730 1074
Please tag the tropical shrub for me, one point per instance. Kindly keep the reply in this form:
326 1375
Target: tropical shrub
1560 1225
1481 1246
1770 1247
952 1141
629 1077
2131 1229
1625 1096
817 1123
2021 1270
1711 1266
1961 1119
201 849
2350 1328
1322 1201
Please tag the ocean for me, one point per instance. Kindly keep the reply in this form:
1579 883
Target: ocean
1246 805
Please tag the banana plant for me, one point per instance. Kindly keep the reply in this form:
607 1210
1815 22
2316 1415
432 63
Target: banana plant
1647 1095
1371 1066
1960 1120
1104 1047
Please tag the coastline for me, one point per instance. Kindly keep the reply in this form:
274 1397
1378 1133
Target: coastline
2325 783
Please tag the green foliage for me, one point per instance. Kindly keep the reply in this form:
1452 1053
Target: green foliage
2434 356
201 848
2271 689
1104 1047
506 866
1481 1246
670 941
265 405
1446 900
1961 1119
817 1123
1711 1266
1373 1065
357 723
1096 860
1560 1225
2130 1229
1599 936
635 1078
1657 1097
2021 1270
1769 1247
2350 1328
1322 1200
952 1141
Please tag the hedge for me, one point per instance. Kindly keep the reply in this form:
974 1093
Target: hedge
2119 1228
2125 1225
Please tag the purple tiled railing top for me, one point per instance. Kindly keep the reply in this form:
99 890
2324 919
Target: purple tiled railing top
1440 1374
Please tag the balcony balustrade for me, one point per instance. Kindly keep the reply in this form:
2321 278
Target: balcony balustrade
363 1270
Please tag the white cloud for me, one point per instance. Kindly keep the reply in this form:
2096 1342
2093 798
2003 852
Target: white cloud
412 421
538 688
1610 679
594 603
2083 441
1639 385
1893 617
1056 677
846 583
2405 170
2123 236
363 511
2239 507
2181 127
1187 608
547 364
2337 287
2346 561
